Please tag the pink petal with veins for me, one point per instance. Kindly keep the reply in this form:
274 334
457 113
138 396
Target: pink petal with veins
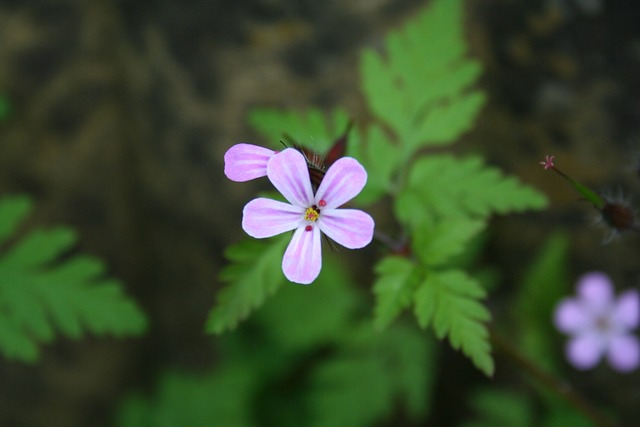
266 218
344 180
244 162
303 258
351 228
288 172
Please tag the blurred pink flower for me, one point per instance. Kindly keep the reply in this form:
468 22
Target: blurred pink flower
600 324
244 162
310 214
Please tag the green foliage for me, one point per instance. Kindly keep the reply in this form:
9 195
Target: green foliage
448 301
220 399
310 128
443 186
40 293
308 357
398 278
496 408
369 374
419 86
543 285
254 273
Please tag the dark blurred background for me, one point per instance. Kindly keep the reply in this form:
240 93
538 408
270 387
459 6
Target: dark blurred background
122 110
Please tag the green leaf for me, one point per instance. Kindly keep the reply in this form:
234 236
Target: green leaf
299 317
448 301
420 85
310 128
222 398
39 294
356 387
436 242
5 107
445 186
380 157
397 280
13 210
544 284
500 408
254 272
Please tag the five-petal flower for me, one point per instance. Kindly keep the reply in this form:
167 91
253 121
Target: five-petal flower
600 324
310 214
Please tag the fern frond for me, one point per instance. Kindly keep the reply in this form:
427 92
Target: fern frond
420 85
445 186
449 302
39 294
254 272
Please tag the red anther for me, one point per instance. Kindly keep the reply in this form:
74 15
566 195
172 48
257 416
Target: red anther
308 228
322 203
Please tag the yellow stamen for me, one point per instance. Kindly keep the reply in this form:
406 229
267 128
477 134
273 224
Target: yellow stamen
311 214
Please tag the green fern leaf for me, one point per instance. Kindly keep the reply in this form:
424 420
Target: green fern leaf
397 280
12 212
448 301
37 293
359 377
298 319
310 128
445 186
420 87
544 284
254 272
380 157
220 399
436 242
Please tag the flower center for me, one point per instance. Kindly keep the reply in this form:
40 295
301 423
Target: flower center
312 214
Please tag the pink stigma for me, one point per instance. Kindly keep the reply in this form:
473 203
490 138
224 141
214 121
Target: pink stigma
548 162
322 203
308 228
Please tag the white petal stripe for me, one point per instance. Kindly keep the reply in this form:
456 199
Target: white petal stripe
288 172
265 218
351 228
303 258
344 180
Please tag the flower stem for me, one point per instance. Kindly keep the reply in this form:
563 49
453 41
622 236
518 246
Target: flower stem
560 387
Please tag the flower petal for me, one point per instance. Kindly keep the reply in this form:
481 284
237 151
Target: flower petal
351 228
596 292
626 313
303 258
288 172
571 317
624 353
244 162
585 351
265 217
344 180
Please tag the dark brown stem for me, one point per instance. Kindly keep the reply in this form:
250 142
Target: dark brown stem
558 386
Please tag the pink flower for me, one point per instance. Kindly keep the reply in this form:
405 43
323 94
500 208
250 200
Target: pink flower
600 324
244 162
548 162
310 214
